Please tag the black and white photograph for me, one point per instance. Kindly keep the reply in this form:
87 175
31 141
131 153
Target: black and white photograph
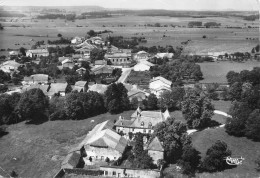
129 89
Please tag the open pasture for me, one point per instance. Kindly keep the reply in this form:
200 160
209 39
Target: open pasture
218 40
215 72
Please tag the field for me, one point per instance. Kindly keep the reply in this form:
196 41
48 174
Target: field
218 40
38 150
239 147
215 72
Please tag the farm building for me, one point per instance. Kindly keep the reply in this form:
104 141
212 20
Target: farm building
36 79
115 171
104 69
100 88
158 85
102 142
141 121
37 53
80 86
155 150
137 93
122 59
164 55
10 66
143 66
141 55
76 40
68 63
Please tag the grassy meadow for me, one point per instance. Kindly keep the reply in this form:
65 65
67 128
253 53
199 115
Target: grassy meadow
218 40
215 72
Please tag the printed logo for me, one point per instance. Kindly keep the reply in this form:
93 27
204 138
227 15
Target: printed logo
234 161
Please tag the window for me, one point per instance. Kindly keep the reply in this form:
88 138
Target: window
133 129
114 173
144 130
96 157
150 125
106 173
114 158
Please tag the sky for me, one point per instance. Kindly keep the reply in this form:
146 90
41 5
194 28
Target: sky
145 4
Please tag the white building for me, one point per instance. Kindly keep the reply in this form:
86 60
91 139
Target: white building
158 85
143 66
37 53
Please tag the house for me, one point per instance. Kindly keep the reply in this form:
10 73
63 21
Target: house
10 66
76 40
102 142
80 86
71 160
137 93
100 63
143 66
57 88
164 55
85 48
141 56
13 53
81 71
155 150
68 63
37 52
141 121
115 171
48 90
36 79
158 85
104 69
121 59
100 88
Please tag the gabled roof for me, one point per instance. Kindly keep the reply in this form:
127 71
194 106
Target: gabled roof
109 139
100 88
71 160
113 55
134 92
11 63
155 145
81 83
164 80
67 61
82 68
37 51
57 87
142 52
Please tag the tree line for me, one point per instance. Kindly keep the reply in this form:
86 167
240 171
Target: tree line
244 93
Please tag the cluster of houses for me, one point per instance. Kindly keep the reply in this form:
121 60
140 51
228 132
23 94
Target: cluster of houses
105 143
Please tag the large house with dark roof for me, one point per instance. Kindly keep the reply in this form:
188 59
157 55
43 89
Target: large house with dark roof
141 121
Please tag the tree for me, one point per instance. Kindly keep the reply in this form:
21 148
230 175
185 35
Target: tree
235 125
173 136
3 88
232 77
59 35
197 110
171 99
257 162
139 144
96 54
190 160
134 103
116 99
152 102
22 51
215 157
252 128
73 107
91 33
32 105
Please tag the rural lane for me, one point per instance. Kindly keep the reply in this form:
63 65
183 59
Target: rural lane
191 131
124 75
